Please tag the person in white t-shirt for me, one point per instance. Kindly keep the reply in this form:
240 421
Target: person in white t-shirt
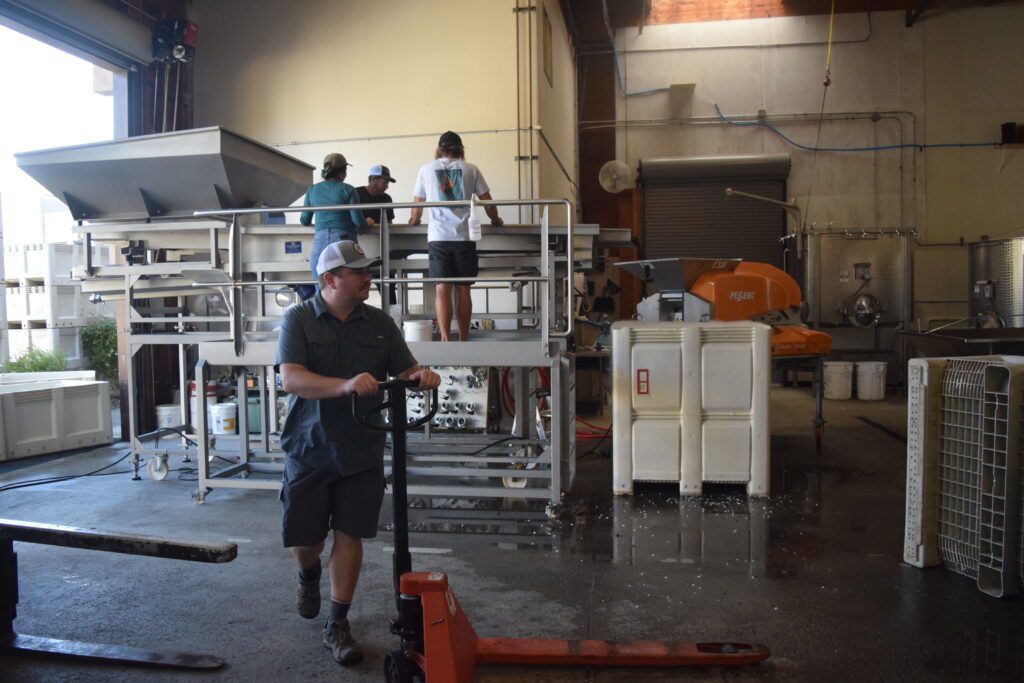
449 177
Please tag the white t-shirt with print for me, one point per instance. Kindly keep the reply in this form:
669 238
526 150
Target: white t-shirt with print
444 180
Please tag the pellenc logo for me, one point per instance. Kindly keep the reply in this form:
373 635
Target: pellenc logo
741 296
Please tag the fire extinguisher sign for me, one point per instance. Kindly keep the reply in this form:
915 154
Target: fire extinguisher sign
643 385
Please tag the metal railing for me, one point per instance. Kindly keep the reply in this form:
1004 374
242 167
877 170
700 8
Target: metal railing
546 277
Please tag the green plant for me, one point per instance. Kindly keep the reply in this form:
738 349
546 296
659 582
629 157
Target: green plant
38 360
99 344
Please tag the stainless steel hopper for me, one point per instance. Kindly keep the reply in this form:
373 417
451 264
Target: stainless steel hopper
167 175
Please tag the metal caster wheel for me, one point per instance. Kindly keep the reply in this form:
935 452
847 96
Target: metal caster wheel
400 669
157 467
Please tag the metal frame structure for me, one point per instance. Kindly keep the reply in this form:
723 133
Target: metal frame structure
144 192
453 460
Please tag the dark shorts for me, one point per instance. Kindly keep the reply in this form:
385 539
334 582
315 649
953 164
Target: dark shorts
317 500
453 259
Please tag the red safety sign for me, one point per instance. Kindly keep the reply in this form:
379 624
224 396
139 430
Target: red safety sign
642 381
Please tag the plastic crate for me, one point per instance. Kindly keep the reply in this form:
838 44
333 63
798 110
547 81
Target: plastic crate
55 305
1020 511
14 262
999 492
53 415
17 303
690 404
920 537
67 339
960 439
49 263
965 468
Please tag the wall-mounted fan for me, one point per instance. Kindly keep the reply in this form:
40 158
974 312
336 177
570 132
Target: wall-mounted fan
615 177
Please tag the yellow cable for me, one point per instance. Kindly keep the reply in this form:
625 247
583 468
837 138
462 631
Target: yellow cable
828 55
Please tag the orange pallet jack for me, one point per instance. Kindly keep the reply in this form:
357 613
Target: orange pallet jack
438 643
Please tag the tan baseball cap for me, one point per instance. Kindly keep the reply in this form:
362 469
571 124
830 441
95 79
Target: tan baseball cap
332 162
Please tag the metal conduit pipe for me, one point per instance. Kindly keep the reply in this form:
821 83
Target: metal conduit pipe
519 113
895 115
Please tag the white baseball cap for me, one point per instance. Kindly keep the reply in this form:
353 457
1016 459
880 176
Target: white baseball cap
344 253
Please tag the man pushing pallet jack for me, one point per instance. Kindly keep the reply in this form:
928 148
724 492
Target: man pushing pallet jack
438 642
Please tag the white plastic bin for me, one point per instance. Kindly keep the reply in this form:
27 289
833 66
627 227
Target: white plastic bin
56 305
838 380
870 380
53 415
17 302
690 404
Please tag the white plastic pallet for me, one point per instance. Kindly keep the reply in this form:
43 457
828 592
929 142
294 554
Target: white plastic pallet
690 404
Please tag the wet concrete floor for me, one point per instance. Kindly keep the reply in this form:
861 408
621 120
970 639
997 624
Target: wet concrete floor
814 571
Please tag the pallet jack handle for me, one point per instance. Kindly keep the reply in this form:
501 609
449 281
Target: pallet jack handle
398 426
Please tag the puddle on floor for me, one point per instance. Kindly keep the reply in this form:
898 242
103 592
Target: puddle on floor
774 538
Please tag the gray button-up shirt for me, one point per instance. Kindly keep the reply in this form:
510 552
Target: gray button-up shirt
322 433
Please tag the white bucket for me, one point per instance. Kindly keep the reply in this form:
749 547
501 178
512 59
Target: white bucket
168 415
418 330
211 398
225 418
871 380
838 380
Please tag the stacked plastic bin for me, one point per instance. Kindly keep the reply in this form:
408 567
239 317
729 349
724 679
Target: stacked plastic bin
965 472
690 404
46 309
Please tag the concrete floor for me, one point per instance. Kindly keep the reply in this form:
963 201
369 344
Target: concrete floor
814 572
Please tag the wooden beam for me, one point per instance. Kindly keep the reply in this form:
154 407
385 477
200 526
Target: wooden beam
625 13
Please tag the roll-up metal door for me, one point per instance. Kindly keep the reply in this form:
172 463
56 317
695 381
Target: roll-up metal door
89 28
686 212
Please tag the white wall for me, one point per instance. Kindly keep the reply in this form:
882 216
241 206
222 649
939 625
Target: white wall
973 82
953 77
376 81
556 112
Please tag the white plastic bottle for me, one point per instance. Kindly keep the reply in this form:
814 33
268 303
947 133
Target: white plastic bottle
475 233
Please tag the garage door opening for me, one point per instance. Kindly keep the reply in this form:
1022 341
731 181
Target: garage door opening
52 99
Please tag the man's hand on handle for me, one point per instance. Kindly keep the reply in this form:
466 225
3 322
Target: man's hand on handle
428 379
363 384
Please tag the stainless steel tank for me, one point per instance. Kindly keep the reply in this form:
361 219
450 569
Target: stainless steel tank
996 280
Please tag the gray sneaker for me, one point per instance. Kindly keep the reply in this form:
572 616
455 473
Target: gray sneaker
338 639
309 598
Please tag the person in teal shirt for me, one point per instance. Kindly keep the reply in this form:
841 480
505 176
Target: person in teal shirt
331 226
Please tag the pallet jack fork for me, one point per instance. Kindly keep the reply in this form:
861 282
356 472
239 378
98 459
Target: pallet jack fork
439 644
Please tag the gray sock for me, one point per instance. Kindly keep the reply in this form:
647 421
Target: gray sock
339 610
311 573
